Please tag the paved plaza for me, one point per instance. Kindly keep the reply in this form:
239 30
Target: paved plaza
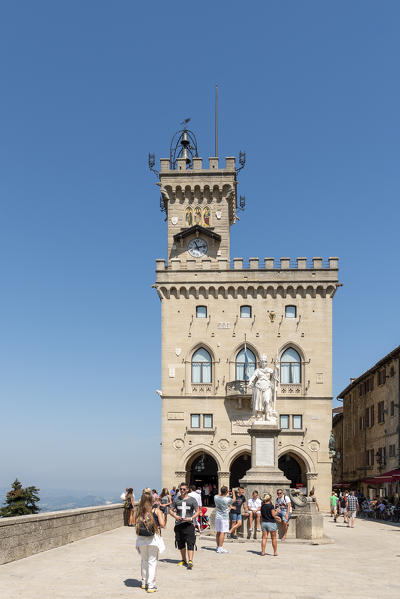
364 562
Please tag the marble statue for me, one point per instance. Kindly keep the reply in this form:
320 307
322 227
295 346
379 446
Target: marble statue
263 383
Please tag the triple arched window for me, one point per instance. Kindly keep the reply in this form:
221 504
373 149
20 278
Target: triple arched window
290 366
245 364
201 366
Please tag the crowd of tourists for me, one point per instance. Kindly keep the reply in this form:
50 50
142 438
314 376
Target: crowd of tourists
349 504
381 508
185 506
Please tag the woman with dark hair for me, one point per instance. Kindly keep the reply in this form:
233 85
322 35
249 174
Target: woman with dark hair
165 502
149 519
130 506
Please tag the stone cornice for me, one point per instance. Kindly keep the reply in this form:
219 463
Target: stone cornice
231 290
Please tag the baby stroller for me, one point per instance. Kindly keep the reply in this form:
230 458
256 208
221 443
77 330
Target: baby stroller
204 520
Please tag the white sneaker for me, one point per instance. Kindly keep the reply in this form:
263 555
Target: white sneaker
222 550
218 550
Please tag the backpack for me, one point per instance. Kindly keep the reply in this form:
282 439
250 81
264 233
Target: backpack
143 531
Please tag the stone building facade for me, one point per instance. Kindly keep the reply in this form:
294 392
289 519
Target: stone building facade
218 318
371 425
337 460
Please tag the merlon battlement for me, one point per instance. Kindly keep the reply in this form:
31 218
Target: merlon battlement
270 264
213 165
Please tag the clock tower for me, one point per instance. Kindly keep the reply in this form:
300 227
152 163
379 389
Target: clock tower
199 202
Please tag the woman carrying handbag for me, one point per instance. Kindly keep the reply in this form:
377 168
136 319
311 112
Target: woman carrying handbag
148 520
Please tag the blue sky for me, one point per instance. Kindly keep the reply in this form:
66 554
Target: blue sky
309 89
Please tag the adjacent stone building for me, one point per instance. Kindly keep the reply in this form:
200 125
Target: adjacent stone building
371 426
218 317
337 458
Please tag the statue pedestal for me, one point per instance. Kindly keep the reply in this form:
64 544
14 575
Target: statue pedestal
264 475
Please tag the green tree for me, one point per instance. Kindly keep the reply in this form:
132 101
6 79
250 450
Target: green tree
20 501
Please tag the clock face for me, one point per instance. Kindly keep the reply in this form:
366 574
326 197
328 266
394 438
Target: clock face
197 247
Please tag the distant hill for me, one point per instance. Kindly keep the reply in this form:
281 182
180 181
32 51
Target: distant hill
56 500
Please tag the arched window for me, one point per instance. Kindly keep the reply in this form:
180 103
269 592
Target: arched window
245 311
290 366
245 365
290 311
201 366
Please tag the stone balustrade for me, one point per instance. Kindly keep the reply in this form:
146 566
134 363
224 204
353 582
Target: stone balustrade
25 535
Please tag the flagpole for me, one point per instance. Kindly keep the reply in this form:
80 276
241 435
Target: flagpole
275 379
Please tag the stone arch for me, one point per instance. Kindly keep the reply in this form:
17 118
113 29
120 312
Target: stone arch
173 292
239 347
310 291
330 291
260 291
193 452
239 466
235 453
183 292
298 452
280 291
270 291
222 291
164 291
203 292
193 292
320 291
295 346
198 346
290 291
241 291
232 292
300 291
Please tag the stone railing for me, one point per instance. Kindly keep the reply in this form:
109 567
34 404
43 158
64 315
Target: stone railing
238 389
25 535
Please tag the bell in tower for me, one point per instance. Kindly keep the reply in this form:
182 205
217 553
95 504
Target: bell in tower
183 145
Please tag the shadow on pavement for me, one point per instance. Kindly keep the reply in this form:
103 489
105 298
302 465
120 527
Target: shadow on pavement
132 582
168 560
208 548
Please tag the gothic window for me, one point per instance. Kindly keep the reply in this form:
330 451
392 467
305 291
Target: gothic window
290 366
290 311
201 311
201 366
245 365
189 216
245 311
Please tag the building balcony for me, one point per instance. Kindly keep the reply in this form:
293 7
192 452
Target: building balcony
241 392
236 389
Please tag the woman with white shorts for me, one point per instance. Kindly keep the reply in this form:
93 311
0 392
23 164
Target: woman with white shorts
222 509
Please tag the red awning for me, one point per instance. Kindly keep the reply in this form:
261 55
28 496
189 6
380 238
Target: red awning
387 477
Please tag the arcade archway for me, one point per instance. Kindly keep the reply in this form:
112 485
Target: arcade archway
294 469
202 471
238 469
